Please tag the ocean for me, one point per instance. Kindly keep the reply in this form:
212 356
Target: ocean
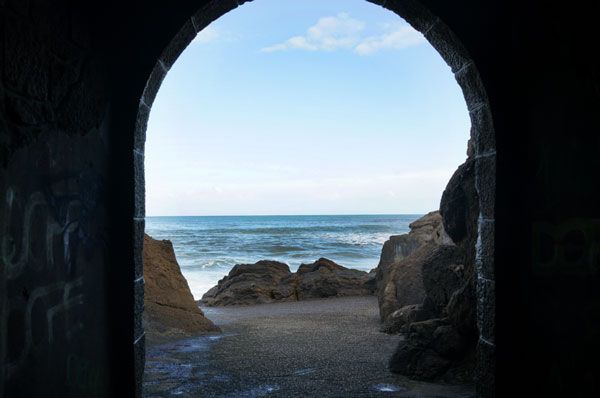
207 247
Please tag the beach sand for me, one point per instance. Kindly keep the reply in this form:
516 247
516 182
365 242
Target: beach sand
314 348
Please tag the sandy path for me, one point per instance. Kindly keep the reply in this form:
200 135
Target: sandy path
316 348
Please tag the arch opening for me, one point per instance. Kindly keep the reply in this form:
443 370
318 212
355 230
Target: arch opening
481 150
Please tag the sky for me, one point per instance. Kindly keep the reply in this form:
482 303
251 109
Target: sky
305 107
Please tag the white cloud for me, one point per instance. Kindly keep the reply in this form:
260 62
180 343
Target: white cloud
399 37
211 34
344 32
329 33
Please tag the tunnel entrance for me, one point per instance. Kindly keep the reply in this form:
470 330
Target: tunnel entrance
481 150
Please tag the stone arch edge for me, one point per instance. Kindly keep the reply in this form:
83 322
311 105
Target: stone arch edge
483 146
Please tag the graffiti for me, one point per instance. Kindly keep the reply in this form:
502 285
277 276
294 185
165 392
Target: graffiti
33 229
571 247
15 267
65 304
15 260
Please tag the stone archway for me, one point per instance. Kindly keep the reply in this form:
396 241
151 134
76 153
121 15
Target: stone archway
482 145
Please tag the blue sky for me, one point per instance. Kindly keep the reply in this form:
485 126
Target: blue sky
305 107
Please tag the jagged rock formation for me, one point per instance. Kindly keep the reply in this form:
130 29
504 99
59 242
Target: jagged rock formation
399 272
325 278
257 283
269 281
169 307
428 291
426 229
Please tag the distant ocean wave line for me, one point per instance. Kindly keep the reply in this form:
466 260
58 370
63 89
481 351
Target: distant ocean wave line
207 248
275 230
294 260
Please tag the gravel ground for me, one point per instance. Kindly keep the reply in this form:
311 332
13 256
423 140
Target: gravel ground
314 348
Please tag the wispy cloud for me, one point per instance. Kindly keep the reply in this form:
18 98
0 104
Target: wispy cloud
346 33
397 37
328 34
211 34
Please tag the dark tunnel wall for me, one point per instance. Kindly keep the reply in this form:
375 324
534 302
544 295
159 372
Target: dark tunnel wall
72 75
54 156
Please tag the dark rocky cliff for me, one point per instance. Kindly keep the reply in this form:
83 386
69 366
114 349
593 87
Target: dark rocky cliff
426 287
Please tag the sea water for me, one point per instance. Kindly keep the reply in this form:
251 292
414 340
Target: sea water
207 247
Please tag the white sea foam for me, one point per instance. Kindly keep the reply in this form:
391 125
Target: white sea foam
208 247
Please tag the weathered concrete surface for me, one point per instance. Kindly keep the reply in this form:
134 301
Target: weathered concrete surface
313 348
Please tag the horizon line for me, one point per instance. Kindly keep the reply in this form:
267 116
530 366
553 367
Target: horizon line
292 215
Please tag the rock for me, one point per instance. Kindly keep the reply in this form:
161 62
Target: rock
461 310
443 273
461 370
430 228
398 247
400 319
398 272
429 350
459 206
433 270
324 278
212 292
423 230
269 281
418 363
371 283
169 307
403 283
448 342
257 283
421 333
402 359
443 347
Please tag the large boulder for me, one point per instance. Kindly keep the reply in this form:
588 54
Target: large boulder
324 278
459 206
399 320
428 228
434 350
402 284
428 277
169 307
270 281
398 274
442 273
462 310
263 282
418 363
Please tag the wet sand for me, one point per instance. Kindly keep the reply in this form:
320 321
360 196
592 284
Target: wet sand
314 348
